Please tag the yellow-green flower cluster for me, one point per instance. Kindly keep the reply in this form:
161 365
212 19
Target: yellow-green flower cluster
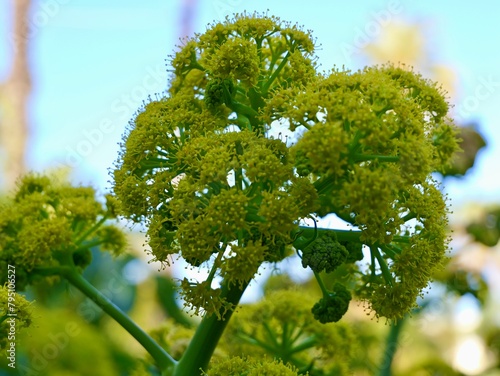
237 366
48 224
203 298
248 50
243 261
199 165
371 140
15 314
201 168
233 198
282 326
235 59
410 260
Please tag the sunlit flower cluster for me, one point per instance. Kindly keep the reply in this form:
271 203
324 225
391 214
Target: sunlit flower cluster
202 168
199 165
48 223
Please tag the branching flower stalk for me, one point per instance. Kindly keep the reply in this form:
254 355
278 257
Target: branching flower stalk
205 168
68 222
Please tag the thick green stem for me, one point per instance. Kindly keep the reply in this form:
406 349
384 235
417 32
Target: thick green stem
391 347
161 357
205 340
246 111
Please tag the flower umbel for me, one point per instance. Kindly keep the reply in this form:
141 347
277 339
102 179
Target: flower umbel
48 224
204 168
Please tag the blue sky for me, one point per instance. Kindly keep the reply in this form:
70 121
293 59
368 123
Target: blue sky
94 63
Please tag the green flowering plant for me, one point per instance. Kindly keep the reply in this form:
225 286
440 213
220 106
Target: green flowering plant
205 169
49 227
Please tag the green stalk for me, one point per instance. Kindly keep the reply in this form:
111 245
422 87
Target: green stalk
391 347
205 340
270 334
275 74
388 251
372 265
409 217
284 342
297 334
243 109
216 264
394 248
256 100
91 230
161 357
304 124
354 144
322 286
383 266
256 342
306 344
89 244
